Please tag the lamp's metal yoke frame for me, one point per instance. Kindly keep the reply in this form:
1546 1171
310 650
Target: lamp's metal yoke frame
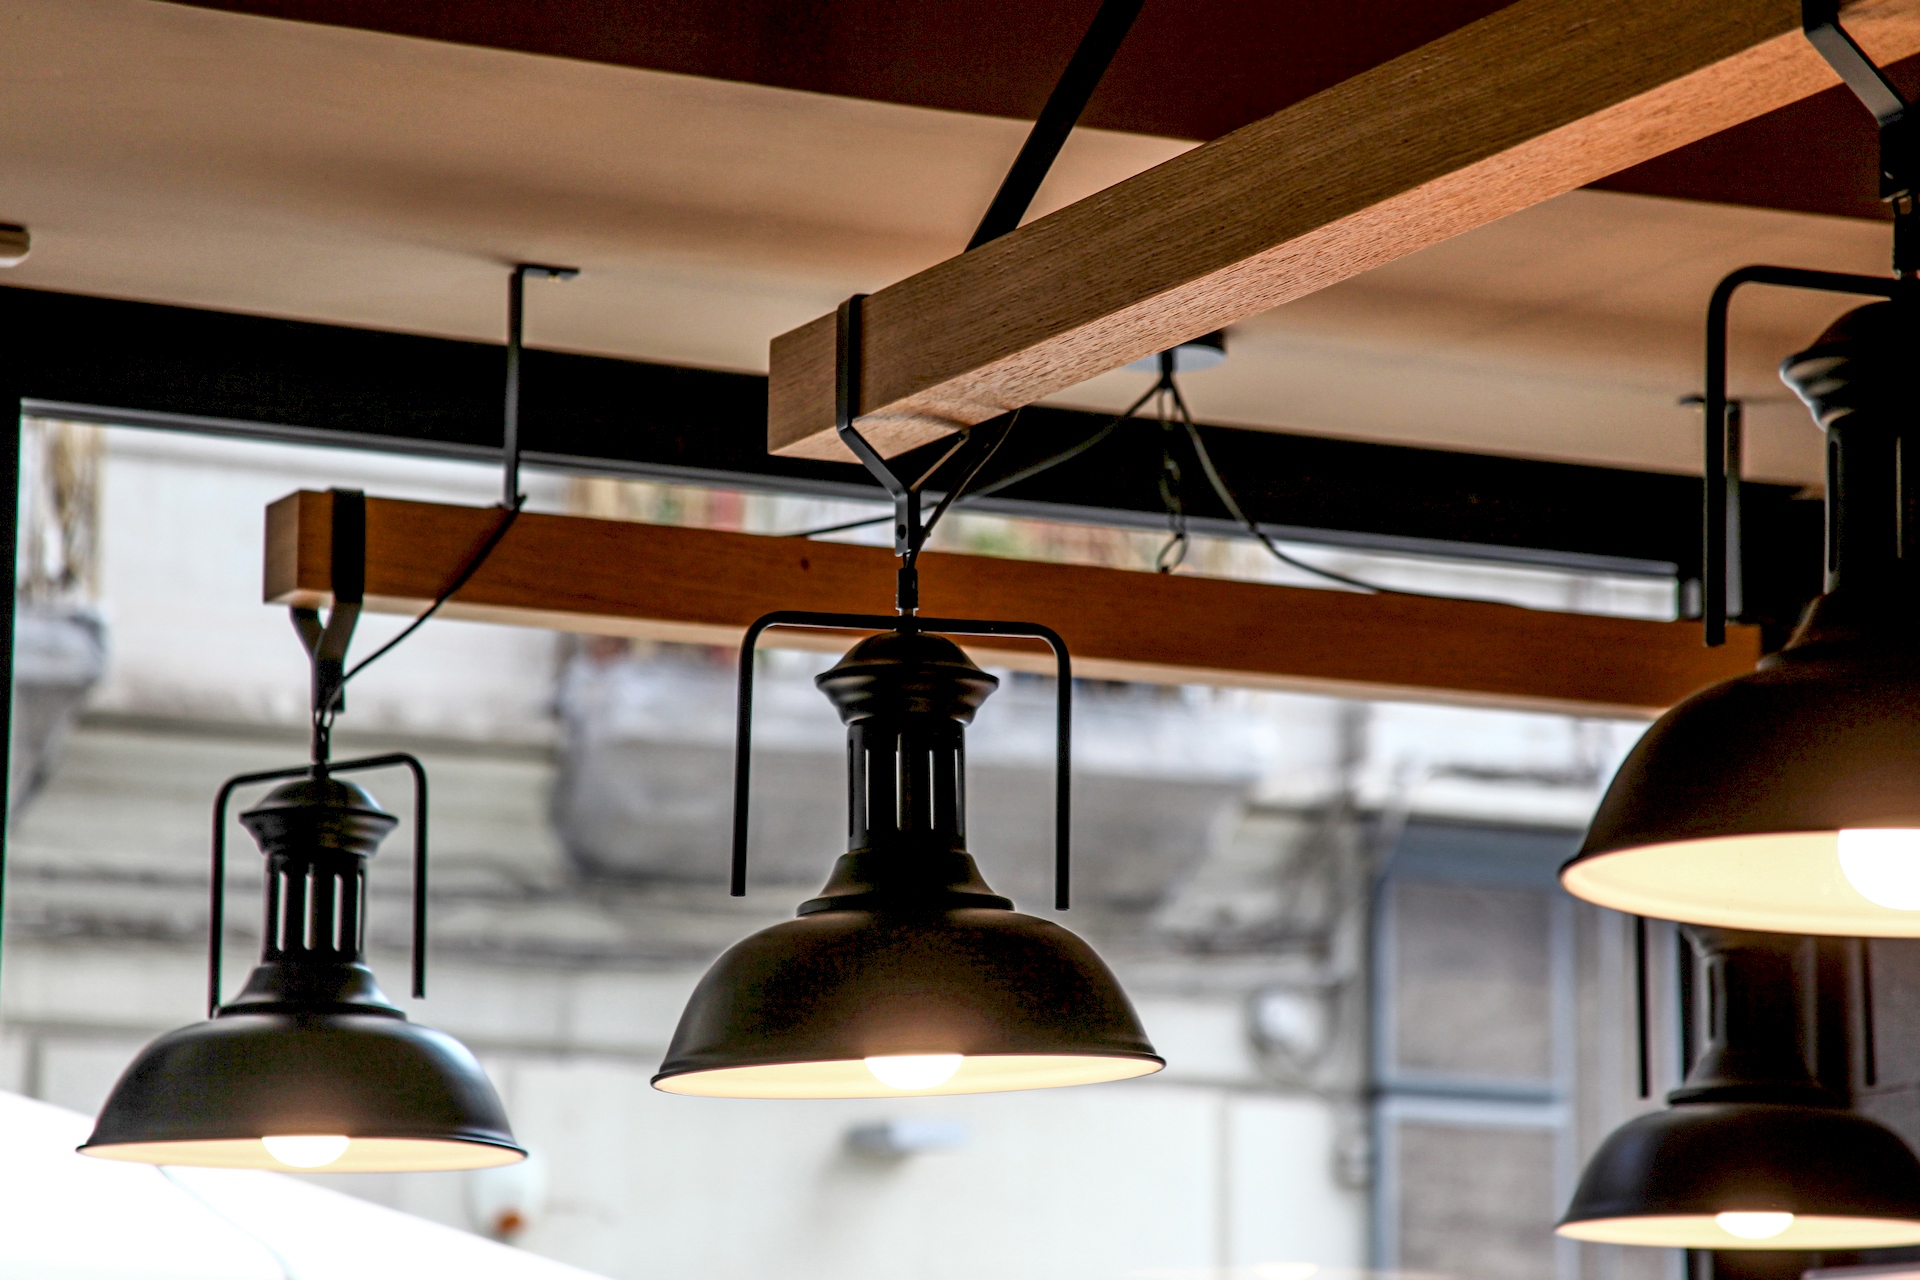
1900 188
326 645
216 905
1717 534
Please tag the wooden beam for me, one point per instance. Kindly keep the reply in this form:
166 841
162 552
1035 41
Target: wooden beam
620 578
1534 100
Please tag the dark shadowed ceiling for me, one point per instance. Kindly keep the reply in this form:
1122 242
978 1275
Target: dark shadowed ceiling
1191 71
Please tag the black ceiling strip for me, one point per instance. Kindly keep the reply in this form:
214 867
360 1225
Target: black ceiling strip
184 368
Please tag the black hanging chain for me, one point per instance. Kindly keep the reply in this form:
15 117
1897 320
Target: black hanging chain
1174 553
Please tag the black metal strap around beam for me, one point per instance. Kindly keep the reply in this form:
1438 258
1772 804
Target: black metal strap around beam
220 373
1064 105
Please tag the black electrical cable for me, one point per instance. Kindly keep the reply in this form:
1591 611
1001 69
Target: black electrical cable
841 528
1233 509
460 579
954 493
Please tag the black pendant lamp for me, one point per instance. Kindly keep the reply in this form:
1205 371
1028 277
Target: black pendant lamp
312 1066
1753 1153
908 974
1789 799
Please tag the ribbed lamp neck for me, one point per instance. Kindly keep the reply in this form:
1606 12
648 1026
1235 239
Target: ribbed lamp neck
1754 1022
316 834
906 698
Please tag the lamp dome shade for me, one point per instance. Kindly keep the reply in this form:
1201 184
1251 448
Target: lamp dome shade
311 1066
908 974
405 1097
1669 1178
795 1011
1788 799
1730 809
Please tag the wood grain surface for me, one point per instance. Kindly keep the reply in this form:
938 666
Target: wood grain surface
704 586
1534 100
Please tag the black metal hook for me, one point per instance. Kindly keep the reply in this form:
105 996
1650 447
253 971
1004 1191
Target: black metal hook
1899 138
909 530
326 644
217 896
516 319
1063 727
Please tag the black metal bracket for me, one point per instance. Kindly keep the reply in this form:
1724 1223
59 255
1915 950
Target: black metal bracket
909 529
1899 129
1713 568
217 893
326 644
1063 725
516 321
1064 105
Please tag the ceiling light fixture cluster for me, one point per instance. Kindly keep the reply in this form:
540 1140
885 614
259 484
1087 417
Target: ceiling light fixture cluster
1787 800
312 1066
907 974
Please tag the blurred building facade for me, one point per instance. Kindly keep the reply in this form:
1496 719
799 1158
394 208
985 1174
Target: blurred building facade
1390 1037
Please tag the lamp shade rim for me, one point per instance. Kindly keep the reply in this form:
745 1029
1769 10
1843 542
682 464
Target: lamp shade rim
1727 809
365 1153
845 986
1790 882
850 1077
1696 1160
243 1077
1811 1232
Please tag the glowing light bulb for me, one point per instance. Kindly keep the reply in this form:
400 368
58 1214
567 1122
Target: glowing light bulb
1753 1226
914 1071
1883 865
305 1150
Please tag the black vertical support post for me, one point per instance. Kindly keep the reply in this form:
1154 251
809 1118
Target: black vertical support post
1832 990
1734 448
1640 1004
1688 965
9 558
516 324
1869 1046
1713 552
510 433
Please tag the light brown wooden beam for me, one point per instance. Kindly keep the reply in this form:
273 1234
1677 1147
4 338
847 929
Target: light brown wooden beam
1532 101
619 578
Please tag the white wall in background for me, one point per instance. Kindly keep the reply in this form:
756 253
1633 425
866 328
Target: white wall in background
181 539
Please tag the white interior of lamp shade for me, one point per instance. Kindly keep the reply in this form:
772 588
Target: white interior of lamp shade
1787 882
363 1155
851 1078
1690 1231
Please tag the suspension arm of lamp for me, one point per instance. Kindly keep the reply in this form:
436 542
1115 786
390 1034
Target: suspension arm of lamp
1714 504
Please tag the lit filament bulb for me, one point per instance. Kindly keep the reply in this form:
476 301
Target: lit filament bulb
914 1072
1753 1226
1883 865
305 1150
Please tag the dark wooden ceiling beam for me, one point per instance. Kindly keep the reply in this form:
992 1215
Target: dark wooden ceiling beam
1537 99
706 586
